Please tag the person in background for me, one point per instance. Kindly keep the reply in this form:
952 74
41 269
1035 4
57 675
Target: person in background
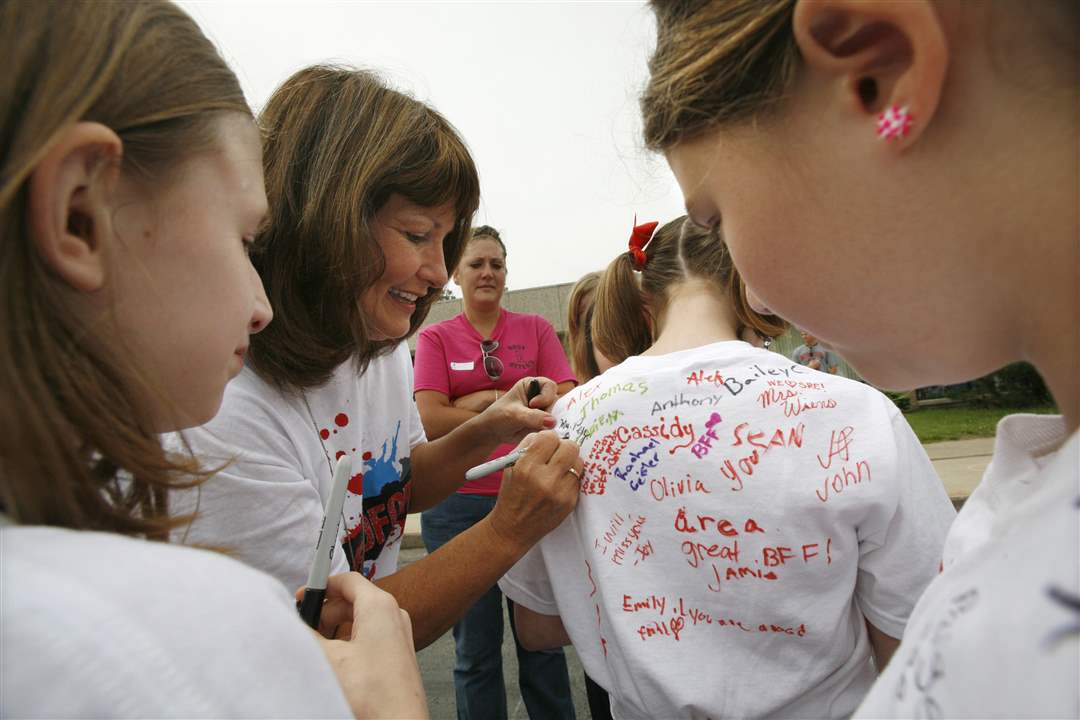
130 192
814 356
586 360
751 533
463 365
370 191
934 193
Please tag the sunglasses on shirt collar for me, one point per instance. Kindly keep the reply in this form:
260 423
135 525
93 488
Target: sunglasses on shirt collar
492 365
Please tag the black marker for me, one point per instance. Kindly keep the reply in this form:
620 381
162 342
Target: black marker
532 391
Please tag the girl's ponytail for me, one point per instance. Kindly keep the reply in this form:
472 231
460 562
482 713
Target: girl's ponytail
620 324
630 306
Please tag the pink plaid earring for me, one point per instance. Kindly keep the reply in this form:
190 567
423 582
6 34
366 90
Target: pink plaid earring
894 123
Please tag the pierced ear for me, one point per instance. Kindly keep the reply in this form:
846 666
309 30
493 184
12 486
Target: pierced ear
887 57
67 203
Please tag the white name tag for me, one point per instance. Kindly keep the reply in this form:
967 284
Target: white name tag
461 365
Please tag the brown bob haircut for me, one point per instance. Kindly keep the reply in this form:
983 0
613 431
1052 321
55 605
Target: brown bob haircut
338 143
78 448
679 251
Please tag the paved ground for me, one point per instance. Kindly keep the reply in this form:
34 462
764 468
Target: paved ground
437 668
960 465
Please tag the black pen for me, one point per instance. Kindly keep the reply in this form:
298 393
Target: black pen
315 590
532 391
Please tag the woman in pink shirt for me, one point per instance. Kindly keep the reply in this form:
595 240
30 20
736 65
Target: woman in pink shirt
462 366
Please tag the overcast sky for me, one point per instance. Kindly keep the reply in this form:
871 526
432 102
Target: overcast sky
544 93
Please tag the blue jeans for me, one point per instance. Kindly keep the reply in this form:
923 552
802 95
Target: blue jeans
478 678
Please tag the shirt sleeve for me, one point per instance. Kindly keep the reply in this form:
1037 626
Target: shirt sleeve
900 551
430 364
260 507
551 360
527 583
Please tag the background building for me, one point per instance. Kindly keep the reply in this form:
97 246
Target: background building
553 301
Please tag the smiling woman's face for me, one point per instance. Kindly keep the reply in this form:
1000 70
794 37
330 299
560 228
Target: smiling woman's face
482 272
410 237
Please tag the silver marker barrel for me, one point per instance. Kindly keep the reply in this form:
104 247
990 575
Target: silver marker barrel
494 465
315 591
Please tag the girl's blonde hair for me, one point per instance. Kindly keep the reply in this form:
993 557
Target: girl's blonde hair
78 448
579 327
338 143
679 251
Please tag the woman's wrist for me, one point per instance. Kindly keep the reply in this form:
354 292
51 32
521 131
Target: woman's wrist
485 430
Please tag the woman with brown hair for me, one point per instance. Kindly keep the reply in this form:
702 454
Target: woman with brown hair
371 196
918 159
130 192
751 532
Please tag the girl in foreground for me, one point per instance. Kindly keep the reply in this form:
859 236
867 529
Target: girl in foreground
130 187
935 196
750 530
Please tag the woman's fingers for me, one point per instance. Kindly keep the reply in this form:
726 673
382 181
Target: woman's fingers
379 645
335 614
539 491
538 447
549 393
568 455
534 420
510 418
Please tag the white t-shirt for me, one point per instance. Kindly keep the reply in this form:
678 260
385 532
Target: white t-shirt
740 516
997 635
266 507
99 625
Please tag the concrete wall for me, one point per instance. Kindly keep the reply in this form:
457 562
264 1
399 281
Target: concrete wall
553 302
550 301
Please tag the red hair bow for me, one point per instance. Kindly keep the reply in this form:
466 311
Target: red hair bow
639 238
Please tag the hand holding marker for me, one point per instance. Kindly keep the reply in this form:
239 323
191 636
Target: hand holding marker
315 590
511 457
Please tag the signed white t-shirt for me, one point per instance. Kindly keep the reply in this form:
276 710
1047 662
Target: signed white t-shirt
742 517
997 635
